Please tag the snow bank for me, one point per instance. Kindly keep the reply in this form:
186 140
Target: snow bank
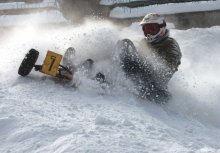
172 8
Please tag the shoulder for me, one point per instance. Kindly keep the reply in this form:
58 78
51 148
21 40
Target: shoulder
172 45
170 41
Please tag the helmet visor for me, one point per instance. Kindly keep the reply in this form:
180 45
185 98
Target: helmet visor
151 28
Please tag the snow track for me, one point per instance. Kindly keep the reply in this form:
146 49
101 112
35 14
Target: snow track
38 114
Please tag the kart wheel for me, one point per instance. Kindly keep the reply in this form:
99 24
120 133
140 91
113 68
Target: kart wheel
123 48
69 56
28 62
126 48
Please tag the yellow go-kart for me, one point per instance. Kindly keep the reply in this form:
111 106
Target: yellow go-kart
51 65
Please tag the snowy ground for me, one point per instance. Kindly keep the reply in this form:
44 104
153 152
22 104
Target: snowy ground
38 114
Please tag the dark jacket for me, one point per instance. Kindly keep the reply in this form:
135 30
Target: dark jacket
162 58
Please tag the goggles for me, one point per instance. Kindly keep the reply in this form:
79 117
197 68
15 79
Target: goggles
151 28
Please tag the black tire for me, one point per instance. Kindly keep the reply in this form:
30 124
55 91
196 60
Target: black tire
126 51
128 56
69 57
126 43
28 62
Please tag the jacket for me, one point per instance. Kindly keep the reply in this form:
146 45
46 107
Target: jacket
162 60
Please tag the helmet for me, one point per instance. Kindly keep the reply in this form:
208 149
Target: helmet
159 27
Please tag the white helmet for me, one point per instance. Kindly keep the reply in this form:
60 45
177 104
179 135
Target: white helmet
154 18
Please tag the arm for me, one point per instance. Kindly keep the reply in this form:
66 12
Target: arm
174 55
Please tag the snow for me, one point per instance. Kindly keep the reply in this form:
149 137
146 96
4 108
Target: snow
23 5
171 8
53 16
47 16
112 2
5 6
39 114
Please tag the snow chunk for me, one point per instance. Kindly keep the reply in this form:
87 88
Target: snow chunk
126 122
103 121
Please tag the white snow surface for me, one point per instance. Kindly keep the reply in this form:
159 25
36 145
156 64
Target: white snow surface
39 114
171 8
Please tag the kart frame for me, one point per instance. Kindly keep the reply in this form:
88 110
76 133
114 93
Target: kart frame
51 65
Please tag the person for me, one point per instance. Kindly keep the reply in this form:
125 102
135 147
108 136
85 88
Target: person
156 59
